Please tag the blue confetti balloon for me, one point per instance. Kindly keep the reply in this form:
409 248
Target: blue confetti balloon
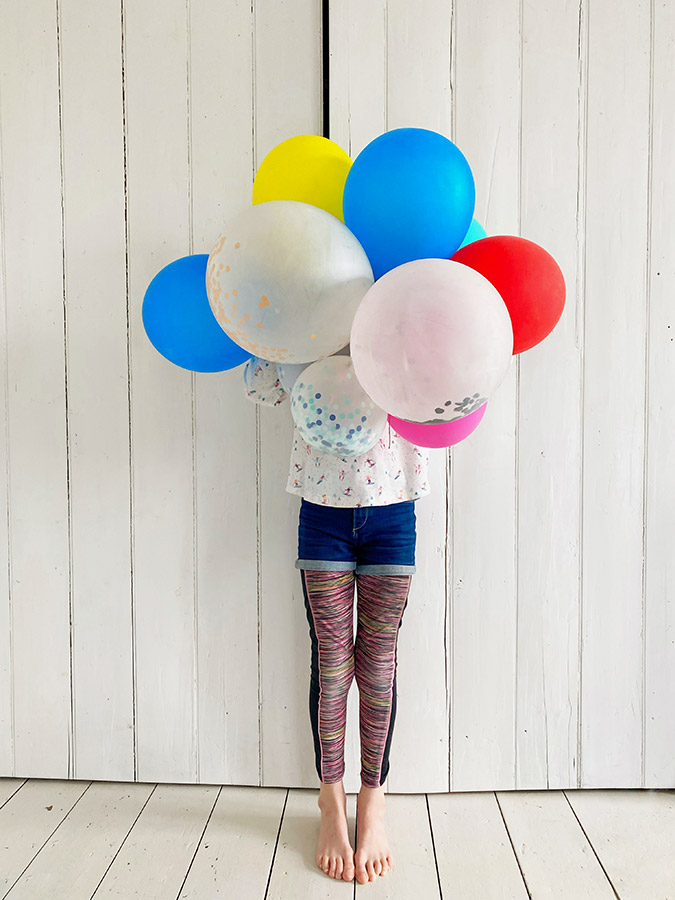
409 195
333 413
179 323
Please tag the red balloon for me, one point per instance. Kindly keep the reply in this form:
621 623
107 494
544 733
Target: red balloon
528 279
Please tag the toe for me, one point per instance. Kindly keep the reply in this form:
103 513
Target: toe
331 867
361 874
339 865
371 871
377 867
348 872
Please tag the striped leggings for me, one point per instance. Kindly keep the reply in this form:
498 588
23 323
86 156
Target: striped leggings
338 657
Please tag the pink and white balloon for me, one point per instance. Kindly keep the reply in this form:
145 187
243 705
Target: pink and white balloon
431 341
333 412
284 280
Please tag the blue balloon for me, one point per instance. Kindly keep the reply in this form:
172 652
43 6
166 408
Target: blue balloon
180 324
476 232
409 195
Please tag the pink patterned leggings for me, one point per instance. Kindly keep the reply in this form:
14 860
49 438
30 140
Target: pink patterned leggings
338 657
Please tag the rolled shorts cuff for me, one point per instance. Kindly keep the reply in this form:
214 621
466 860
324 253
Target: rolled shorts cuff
326 565
345 565
384 569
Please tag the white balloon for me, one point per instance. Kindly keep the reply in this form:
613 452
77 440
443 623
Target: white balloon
288 372
431 341
285 279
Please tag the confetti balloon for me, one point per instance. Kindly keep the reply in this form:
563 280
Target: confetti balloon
284 280
431 341
333 412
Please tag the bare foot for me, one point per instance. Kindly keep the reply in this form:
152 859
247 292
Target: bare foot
334 854
373 856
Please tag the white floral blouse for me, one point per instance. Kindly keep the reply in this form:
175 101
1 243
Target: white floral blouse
392 471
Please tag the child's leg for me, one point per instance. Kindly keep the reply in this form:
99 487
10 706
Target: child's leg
381 601
329 602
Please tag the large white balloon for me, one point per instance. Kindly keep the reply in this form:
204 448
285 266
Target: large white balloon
431 341
285 279
333 413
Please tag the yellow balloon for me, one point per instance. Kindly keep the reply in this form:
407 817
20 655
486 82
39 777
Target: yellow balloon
307 168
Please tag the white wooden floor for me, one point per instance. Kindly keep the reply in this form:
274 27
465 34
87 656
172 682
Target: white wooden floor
79 839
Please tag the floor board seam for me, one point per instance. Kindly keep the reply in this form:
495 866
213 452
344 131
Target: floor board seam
123 842
590 844
199 843
45 842
276 844
513 848
433 848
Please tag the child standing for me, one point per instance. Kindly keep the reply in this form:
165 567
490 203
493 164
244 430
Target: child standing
356 531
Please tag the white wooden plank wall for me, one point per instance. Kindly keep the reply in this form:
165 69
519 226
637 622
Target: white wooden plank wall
152 626
549 445
482 647
221 160
659 683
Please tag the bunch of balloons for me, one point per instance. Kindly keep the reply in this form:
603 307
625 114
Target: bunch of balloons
372 287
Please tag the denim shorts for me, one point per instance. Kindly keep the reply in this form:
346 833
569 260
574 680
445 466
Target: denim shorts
375 539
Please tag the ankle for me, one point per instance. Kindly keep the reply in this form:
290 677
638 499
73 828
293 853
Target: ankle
367 791
331 795
371 796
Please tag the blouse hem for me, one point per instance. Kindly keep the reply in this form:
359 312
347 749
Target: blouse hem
411 495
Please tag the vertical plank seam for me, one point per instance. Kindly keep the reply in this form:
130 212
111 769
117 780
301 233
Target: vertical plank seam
349 106
516 474
71 762
386 65
258 511
645 472
447 616
193 412
450 502
132 596
325 65
258 482
580 320
7 512
452 72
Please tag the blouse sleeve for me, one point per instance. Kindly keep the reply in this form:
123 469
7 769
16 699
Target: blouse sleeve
261 381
